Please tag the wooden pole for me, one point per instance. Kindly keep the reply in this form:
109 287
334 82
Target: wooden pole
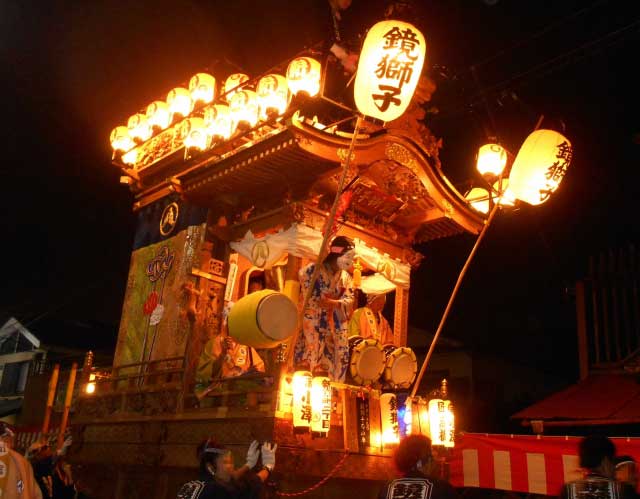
53 384
67 404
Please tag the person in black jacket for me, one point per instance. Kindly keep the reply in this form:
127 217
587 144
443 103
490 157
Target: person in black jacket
412 459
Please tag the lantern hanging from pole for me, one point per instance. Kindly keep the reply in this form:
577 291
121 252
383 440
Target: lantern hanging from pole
320 405
120 139
158 115
179 101
389 69
244 109
139 127
540 166
194 133
441 422
389 419
91 385
203 88
303 75
217 119
273 96
301 385
492 158
130 157
478 198
232 83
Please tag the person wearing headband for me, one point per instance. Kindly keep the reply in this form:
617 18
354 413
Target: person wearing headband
322 346
369 322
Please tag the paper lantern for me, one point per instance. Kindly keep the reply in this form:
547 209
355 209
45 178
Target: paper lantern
389 69
423 417
130 157
120 139
478 198
389 419
492 158
244 109
202 87
504 195
158 115
273 95
408 416
441 422
285 394
194 133
179 101
301 385
91 385
217 119
232 83
540 166
139 127
320 405
303 75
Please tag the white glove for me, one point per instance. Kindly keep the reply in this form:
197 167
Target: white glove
253 454
269 455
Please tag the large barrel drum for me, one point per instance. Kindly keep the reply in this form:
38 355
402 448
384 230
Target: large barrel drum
400 366
263 319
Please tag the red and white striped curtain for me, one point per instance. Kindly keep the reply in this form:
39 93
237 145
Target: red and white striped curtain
522 463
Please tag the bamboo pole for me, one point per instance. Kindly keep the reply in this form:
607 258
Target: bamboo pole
53 384
67 404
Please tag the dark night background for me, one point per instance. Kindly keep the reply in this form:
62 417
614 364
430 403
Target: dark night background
71 71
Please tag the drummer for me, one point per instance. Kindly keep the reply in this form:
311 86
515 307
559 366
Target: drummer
322 347
369 322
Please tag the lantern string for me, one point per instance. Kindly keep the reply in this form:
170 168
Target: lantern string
423 368
316 485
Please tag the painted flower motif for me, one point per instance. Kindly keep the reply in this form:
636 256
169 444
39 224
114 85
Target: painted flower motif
151 303
156 316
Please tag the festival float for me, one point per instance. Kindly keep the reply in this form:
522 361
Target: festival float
241 179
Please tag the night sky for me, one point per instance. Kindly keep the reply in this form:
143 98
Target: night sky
71 71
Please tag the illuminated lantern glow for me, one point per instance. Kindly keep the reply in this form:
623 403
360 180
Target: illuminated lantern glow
389 69
389 419
244 109
285 395
232 83
478 198
158 115
408 416
540 166
320 405
194 133
179 102
120 139
217 119
301 385
139 127
492 158
441 422
423 417
303 75
202 87
505 196
273 95
130 157
91 385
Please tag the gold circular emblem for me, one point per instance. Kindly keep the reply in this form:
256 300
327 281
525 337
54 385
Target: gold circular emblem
260 254
169 219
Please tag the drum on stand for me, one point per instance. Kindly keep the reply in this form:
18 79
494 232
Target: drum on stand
400 367
366 360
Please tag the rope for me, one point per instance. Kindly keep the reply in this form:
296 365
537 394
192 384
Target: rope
318 484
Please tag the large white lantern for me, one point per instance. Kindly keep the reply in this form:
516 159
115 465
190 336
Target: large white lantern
244 109
217 119
301 385
273 95
492 158
320 405
203 88
179 101
389 419
194 133
389 69
158 114
478 198
120 139
139 127
232 83
303 75
540 166
441 422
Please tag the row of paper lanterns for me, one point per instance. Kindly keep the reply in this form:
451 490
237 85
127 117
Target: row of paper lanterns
220 120
308 398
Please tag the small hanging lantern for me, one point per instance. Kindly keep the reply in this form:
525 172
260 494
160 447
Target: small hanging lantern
120 139
285 394
408 416
441 419
504 194
232 83
389 419
158 115
130 157
91 385
423 416
217 119
492 158
301 385
540 166
273 96
303 75
203 88
389 69
244 109
194 133
320 405
478 198
139 128
179 101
